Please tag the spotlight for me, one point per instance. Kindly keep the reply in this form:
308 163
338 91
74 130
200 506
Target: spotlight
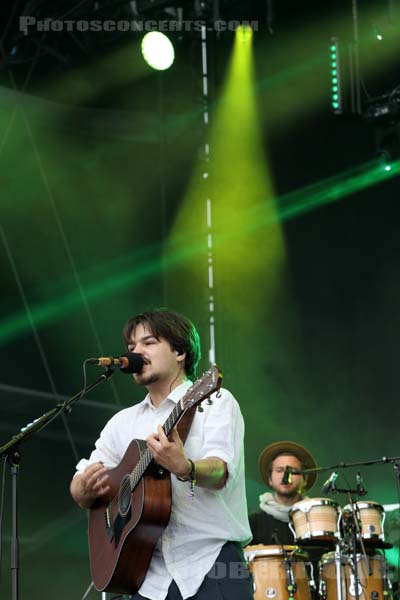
157 50
245 32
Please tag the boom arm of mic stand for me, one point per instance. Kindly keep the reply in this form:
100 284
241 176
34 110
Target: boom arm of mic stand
10 450
41 422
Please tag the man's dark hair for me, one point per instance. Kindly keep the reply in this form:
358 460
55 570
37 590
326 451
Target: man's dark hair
178 330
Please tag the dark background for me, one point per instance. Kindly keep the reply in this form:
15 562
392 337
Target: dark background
97 153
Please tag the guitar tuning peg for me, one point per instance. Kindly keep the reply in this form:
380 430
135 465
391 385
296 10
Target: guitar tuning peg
200 408
209 401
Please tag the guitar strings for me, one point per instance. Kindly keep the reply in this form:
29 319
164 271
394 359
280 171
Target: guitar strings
146 458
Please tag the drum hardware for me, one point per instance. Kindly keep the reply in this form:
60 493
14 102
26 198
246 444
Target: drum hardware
311 579
353 533
338 570
361 491
367 587
355 575
291 584
352 586
279 572
329 485
355 536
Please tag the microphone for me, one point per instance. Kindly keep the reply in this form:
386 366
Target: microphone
360 485
329 484
128 363
287 476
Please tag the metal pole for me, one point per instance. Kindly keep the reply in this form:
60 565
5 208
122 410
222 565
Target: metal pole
14 460
338 569
206 174
356 60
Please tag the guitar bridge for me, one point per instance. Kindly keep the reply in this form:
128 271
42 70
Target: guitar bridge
107 518
109 527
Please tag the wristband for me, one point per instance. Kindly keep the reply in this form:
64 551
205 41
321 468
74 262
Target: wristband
191 474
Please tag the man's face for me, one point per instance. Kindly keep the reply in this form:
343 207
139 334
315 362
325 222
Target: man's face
161 362
275 481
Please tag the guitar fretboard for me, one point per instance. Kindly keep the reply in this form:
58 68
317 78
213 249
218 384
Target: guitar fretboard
146 458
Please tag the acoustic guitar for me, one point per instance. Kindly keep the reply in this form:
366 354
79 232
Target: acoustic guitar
123 531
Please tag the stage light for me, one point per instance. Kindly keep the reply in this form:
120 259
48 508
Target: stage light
157 50
336 92
245 33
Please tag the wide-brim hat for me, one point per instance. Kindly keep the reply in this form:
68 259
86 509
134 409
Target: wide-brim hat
269 454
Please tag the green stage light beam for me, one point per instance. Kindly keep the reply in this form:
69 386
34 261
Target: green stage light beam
189 246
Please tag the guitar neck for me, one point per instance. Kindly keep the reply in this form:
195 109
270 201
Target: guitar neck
173 419
146 457
209 383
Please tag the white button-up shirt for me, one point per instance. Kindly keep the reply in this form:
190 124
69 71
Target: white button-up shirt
198 527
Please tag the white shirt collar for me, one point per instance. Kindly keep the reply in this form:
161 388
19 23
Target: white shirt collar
175 395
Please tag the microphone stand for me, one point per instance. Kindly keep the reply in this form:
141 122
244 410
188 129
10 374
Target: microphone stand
395 460
291 585
11 451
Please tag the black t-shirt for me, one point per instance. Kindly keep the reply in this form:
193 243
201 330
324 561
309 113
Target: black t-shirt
267 530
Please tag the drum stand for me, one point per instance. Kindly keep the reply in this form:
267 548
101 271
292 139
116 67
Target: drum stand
356 535
338 570
291 585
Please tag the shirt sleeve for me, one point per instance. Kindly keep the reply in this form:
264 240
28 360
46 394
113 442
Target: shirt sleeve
105 450
224 432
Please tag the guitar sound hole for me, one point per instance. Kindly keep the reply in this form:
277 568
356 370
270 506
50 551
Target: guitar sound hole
125 494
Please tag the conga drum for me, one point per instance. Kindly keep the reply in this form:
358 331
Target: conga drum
370 587
279 572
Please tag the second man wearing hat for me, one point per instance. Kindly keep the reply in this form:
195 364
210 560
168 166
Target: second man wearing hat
270 524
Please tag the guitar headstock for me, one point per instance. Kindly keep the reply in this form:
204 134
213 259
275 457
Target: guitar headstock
202 388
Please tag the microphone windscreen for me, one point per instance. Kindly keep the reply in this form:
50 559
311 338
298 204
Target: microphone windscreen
135 362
